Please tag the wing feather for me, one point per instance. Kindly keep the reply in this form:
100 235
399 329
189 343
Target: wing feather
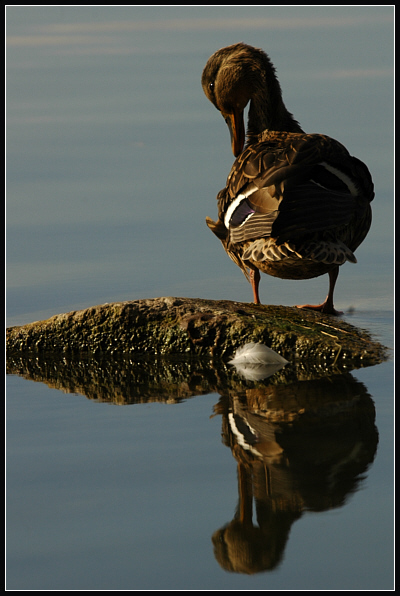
300 184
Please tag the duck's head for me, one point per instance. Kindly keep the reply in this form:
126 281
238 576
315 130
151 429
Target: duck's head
237 74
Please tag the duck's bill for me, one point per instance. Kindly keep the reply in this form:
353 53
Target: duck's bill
235 124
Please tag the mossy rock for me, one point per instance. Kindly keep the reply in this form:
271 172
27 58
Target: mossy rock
191 327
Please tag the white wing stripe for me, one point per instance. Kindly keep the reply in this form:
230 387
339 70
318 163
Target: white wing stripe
236 202
343 177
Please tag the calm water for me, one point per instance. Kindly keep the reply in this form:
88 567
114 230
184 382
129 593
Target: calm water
114 158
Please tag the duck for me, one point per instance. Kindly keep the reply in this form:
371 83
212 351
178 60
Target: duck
296 205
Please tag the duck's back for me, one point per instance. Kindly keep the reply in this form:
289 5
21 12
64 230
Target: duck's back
294 186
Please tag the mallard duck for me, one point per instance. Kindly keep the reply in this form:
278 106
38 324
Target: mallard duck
295 205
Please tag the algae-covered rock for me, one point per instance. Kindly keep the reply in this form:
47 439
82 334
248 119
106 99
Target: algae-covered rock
196 327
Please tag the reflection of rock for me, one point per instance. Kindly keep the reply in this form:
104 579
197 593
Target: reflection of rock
303 446
124 380
116 380
195 327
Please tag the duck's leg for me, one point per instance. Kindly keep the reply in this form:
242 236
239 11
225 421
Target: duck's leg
327 306
255 280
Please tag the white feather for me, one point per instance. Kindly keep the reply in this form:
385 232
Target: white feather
257 372
253 353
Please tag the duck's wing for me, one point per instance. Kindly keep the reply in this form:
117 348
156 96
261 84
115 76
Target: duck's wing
289 186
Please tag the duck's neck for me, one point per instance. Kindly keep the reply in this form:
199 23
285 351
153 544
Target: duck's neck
268 112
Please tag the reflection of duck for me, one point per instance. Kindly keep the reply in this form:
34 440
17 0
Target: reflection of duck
299 447
245 547
295 205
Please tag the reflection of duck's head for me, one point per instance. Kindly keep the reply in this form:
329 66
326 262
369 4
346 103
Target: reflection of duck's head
302 446
244 548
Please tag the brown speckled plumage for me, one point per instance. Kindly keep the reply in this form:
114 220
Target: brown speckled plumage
295 205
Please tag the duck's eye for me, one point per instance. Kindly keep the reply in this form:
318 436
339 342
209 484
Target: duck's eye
211 86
